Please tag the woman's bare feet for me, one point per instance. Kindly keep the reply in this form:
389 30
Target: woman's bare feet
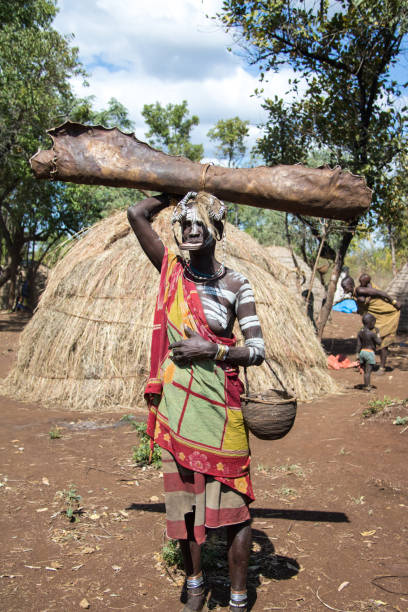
195 599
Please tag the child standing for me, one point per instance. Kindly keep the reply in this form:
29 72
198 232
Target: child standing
368 340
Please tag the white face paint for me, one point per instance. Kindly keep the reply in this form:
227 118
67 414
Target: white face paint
197 225
193 217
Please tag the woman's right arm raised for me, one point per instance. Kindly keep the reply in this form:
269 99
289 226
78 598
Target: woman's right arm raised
140 218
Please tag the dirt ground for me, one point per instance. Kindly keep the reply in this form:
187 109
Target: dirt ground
329 522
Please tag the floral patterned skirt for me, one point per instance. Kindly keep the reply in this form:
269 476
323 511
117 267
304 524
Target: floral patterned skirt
214 503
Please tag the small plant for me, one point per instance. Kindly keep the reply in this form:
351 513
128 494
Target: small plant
286 491
127 418
213 553
296 469
141 453
71 499
263 469
171 554
55 433
377 405
359 500
400 421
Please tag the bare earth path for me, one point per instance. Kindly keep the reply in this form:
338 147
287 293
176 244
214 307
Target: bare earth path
330 514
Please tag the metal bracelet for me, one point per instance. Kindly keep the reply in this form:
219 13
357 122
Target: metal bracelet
193 583
222 352
238 597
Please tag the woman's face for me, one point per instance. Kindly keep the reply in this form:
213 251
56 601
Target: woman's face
364 280
195 233
348 285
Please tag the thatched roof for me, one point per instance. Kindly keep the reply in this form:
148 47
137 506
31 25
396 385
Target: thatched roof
297 277
87 346
398 288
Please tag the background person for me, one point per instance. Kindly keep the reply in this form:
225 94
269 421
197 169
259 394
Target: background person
370 299
368 340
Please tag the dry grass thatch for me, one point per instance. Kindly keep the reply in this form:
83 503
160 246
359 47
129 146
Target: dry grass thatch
398 288
298 278
87 346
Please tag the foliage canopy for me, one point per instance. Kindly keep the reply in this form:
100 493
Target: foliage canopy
343 54
36 64
230 134
170 129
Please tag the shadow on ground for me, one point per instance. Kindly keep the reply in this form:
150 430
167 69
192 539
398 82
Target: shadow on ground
14 322
264 563
336 346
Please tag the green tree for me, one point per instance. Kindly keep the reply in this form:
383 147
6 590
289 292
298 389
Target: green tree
27 13
36 64
344 51
230 135
115 115
393 216
285 138
170 129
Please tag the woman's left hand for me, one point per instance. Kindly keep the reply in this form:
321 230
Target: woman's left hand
192 349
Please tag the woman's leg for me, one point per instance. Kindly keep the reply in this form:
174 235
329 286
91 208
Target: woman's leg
239 548
367 374
383 357
191 552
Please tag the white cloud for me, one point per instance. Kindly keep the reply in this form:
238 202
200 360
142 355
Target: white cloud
145 51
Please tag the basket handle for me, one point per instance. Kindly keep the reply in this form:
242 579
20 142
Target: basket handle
273 372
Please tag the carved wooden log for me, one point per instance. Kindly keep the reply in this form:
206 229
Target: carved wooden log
95 155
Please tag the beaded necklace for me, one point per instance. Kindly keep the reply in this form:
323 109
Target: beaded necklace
203 278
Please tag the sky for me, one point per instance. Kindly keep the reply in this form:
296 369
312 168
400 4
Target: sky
144 51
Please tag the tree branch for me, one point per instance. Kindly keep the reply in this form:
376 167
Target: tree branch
311 55
5 275
4 230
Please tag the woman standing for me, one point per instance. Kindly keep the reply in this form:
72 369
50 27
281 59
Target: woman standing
194 392
386 310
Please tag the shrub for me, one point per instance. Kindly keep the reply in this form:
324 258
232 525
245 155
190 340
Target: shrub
141 453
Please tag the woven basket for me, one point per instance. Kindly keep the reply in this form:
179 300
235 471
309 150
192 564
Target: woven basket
268 414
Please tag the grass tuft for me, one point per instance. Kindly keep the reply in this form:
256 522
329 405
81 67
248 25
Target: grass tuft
55 433
141 453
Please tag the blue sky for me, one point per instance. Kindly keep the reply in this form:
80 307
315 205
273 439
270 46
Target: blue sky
144 51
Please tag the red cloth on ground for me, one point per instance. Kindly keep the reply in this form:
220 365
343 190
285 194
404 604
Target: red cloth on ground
338 362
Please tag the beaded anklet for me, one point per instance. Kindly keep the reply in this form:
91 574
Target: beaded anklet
238 600
195 582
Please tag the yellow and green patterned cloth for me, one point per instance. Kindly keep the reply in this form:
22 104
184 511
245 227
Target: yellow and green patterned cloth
386 317
194 410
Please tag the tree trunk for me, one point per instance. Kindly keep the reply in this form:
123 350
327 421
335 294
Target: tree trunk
338 265
392 248
13 284
15 261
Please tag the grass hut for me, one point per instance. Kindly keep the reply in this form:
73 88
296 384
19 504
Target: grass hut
87 345
398 289
298 277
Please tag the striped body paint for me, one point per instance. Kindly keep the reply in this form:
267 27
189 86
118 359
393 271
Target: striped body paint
227 299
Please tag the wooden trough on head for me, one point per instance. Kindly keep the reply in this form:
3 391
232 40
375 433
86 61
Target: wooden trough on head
95 155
